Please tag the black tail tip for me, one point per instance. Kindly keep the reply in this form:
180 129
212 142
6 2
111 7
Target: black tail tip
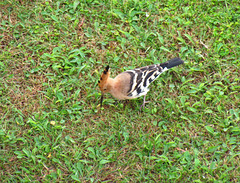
172 63
176 60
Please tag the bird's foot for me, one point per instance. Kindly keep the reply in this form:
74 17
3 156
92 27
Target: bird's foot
143 105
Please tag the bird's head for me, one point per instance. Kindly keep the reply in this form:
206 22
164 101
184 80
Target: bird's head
103 82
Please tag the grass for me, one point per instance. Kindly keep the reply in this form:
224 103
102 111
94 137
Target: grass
51 57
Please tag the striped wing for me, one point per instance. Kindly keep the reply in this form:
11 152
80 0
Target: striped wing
141 79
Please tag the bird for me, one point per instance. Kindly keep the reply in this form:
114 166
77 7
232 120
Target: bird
133 83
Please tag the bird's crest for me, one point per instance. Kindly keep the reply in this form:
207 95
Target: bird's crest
104 77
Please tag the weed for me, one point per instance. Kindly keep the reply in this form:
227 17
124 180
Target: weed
52 54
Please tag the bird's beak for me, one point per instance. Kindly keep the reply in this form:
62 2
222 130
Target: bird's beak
101 100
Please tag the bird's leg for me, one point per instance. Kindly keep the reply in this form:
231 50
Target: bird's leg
144 102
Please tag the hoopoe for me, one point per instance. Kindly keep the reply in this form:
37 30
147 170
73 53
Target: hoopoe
133 83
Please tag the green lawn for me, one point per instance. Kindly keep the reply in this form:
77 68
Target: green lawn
52 128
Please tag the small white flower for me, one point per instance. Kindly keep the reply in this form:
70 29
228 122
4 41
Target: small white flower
53 123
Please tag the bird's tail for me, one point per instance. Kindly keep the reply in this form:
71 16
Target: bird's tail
171 63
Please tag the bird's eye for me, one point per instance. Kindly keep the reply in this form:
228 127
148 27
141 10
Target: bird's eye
105 89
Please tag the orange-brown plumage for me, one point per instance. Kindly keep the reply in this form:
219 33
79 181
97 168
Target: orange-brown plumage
118 86
102 83
133 83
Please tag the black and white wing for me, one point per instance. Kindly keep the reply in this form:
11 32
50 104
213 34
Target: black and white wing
142 77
